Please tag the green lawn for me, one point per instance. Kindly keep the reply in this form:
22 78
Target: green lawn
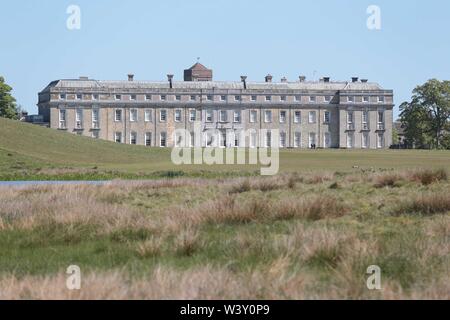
31 152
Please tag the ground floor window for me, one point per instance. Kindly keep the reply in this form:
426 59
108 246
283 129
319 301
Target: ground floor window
95 134
350 140
282 139
380 140
148 139
312 140
297 140
133 138
268 141
163 139
365 140
118 137
327 140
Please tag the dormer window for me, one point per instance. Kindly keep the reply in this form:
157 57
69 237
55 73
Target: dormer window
327 98
178 97
95 97
163 98
209 97
62 96
118 97
366 99
148 97
237 98
351 99
79 96
133 97
283 98
193 98
268 98
253 98
312 99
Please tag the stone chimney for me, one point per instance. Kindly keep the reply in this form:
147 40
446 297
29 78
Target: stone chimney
170 79
326 79
364 80
302 78
131 77
284 80
269 78
355 79
244 81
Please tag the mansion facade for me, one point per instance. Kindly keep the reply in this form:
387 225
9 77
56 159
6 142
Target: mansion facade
322 114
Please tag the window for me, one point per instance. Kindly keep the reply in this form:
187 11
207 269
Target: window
209 116
133 97
192 115
253 136
209 97
179 140
148 115
326 140
380 120
268 143
209 139
312 140
380 140
366 99
95 97
62 119
268 98
237 98
223 139
282 116
177 115
78 96
192 98
163 139
223 116
283 139
327 98
178 98
312 117
350 140
253 116
79 119
365 140
162 98
298 98
283 98
95 119
118 97
148 97
312 99
326 117
118 137
95 134
163 115
365 120
133 138
237 116
297 140
62 96
253 98
148 139
192 139
118 115
350 99
297 117
223 98
350 124
267 116
236 139
381 99
133 115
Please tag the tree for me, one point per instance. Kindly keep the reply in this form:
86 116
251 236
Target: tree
8 108
434 98
413 119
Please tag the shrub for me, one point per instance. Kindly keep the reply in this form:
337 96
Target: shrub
427 177
427 204
387 180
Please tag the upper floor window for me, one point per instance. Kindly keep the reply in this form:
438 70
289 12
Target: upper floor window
78 96
237 98
381 99
62 96
133 97
253 98
148 97
62 119
297 117
365 120
223 98
365 99
118 97
209 115
267 116
177 115
209 97
95 97
298 98
283 98
326 117
118 115
163 115
282 116
79 118
133 115
178 98
95 118
327 98
192 115
351 99
253 116
350 124
312 99
312 117
223 116
193 98
237 116
268 98
148 115
163 98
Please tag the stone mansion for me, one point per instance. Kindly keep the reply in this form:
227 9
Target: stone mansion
325 113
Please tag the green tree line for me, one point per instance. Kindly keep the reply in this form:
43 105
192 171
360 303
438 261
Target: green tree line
8 107
425 119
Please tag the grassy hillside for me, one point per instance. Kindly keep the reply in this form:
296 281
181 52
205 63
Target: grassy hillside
32 152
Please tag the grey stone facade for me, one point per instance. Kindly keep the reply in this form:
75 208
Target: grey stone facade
354 114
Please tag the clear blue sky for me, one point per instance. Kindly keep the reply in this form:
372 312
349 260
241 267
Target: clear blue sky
253 38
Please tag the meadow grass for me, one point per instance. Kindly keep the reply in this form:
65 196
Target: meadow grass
293 236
